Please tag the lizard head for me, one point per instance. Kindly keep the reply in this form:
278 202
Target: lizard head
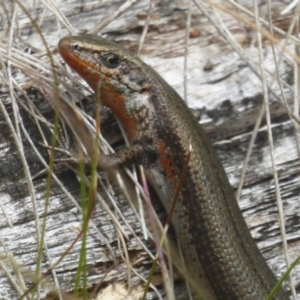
118 78
100 62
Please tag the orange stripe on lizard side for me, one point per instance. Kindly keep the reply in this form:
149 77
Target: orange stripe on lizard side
165 161
108 95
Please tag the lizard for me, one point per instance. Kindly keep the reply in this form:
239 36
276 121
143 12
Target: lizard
214 237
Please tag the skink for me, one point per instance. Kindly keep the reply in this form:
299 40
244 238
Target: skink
215 239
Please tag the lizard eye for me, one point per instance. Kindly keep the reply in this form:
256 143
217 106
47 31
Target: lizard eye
75 47
111 60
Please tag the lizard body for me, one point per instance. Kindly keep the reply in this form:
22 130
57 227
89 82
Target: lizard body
215 239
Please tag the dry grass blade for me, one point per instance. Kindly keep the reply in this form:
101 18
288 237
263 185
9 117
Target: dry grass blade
225 85
111 17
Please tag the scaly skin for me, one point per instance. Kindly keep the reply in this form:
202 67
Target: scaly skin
217 245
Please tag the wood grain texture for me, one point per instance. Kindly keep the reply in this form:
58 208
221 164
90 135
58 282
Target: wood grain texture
223 92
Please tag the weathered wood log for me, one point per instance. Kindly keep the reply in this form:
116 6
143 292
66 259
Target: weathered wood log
223 92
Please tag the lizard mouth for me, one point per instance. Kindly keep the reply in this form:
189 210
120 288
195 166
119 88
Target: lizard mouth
65 50
80 63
